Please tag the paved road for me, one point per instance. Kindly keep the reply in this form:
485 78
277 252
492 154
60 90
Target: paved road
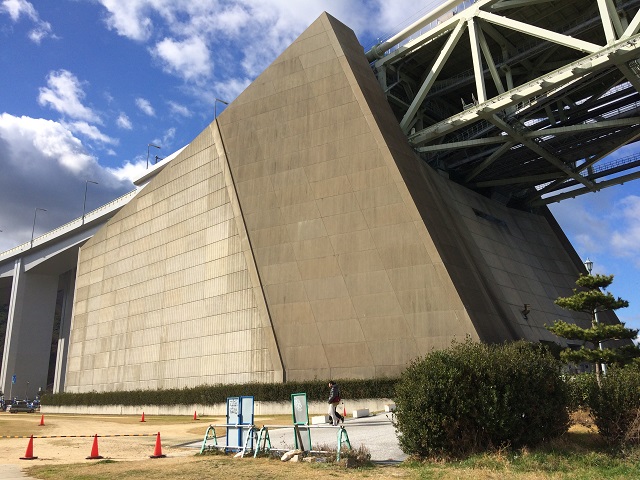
12 472
376 433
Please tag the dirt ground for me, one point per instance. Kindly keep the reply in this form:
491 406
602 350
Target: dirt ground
174 431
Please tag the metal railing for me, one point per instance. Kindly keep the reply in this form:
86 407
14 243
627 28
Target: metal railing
261 437
600 168
619 162
463 6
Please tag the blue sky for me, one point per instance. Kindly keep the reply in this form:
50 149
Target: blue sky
87 84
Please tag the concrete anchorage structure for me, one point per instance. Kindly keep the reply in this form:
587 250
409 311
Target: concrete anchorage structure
301 236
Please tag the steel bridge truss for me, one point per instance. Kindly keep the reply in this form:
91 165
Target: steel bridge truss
520 99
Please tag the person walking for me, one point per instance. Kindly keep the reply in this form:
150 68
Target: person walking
334 400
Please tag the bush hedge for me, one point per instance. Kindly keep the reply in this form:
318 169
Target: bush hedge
616 404
211 394
474 397
581 387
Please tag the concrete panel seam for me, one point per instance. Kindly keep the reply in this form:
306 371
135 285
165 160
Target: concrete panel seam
261 299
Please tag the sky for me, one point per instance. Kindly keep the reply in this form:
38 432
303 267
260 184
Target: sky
86 85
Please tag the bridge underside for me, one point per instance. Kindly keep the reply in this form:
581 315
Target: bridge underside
520 100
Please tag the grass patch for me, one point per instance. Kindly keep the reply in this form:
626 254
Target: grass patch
199 467
272 420
582 456
17 424
565 458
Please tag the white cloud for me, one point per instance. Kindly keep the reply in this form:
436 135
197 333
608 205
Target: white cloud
603 226
129 171
594 242
44 165
625 236
18 8
21 8
232 19
189 59
229 89
124 122
41 31
127 17
64 94
178 109
144 105
34 140
394 16
91 132
169 135
243 36
585 222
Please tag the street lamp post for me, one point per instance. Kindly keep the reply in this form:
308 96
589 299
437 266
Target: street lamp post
150 145
84 204
215 105
589 266
33 229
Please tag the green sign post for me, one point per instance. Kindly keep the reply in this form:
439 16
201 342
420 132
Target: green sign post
300 414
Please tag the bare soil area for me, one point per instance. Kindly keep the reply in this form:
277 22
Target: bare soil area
80 429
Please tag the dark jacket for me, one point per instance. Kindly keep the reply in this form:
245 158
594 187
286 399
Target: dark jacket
334 394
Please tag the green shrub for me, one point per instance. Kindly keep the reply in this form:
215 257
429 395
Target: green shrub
474 397
615 405
210 394
581 388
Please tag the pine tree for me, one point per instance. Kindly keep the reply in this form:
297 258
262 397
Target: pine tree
591 299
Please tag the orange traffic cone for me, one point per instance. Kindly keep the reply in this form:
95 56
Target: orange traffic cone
142 419
157 453
94 450
41 421
195 415
29 453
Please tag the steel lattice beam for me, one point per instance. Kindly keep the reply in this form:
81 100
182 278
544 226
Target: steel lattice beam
538 90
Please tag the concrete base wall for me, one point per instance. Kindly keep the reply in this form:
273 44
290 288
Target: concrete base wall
260 408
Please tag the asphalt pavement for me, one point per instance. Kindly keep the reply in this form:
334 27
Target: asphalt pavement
375 432
12 472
